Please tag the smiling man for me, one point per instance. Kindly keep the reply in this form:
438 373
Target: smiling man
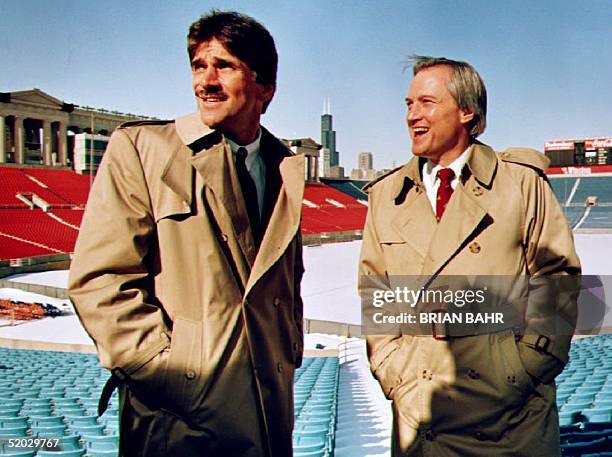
458 209
188 264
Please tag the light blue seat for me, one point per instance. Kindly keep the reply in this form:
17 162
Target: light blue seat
9 422
598 415
19 431
12 452
82 420
88 429
71 442
49 430
101 443
574 407
70 453
46 421
96 453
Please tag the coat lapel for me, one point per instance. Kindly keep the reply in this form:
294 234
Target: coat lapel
414 220
220 178
464 213
213 160
461 218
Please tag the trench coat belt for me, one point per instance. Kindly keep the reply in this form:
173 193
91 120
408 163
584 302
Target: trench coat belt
440 329
118 377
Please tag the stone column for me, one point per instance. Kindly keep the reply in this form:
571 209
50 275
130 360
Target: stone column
47 143
19 140
62 144
2 139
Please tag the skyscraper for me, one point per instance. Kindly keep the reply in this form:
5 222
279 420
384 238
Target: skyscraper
328 140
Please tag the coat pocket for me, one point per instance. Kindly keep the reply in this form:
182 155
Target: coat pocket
388 370
184 366
516 375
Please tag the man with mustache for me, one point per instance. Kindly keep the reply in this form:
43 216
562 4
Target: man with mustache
459 213
188 264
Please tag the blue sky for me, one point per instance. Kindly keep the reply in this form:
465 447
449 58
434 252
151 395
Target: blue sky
547 64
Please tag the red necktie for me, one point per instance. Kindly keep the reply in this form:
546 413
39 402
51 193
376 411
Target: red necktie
445 191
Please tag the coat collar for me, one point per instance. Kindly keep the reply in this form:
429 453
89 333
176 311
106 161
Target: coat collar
481 162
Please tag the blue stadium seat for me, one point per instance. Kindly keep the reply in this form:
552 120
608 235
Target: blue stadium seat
17 431
580 448
70 453
600 415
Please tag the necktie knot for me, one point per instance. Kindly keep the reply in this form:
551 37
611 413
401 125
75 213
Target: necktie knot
241 155
446 176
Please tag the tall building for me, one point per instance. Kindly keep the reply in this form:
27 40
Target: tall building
328 141
365 161
365 167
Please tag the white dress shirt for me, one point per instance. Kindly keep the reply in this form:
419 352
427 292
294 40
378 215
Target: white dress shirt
431 180
255 165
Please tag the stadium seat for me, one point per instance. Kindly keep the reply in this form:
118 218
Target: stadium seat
600 415
69 453
15 453
580 448
17 431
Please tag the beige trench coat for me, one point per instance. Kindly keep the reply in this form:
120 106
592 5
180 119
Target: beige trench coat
167 281
483 395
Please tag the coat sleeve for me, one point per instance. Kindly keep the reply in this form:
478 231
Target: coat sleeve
554 270
373 276
110 283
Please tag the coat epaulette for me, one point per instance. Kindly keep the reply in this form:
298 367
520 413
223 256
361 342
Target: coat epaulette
145 122
526 156
367 187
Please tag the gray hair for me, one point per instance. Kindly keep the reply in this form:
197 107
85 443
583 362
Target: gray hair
466 87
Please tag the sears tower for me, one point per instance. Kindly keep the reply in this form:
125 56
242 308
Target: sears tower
328 140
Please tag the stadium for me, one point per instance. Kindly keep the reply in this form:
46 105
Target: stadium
51 379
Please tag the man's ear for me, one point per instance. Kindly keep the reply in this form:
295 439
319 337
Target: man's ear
266 94
466 116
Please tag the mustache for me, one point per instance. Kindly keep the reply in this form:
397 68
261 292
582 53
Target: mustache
210 90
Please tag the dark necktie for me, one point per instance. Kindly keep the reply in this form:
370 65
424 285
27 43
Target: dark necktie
445 191
249 191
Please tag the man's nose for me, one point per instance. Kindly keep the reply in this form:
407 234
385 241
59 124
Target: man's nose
413 113
209 77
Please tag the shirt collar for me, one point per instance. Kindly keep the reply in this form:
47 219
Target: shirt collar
430 169
252 148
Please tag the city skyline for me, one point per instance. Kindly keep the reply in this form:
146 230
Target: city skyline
544 64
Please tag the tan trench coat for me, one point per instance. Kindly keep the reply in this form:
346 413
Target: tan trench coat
483 395
167 281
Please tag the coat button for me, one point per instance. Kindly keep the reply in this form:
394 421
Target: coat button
190 375
224 237
276 302
279 367
473 374
474 247
295 346
480 436
477 191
